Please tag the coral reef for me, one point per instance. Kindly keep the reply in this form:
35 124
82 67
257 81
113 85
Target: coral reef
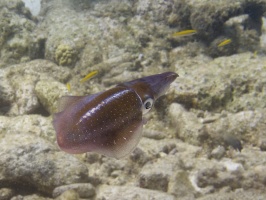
17 40
32 153
65 55
18 86
205 139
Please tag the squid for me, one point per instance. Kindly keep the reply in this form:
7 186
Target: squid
109 122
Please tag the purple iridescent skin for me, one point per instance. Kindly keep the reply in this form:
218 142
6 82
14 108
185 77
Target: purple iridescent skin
109 122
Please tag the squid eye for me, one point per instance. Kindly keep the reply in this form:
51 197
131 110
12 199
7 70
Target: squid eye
147 105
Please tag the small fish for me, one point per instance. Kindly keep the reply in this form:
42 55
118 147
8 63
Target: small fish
89 76
224 42
109 122
233 141
255 54
184 33
68 87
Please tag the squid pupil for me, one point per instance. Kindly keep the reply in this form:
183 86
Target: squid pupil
148 105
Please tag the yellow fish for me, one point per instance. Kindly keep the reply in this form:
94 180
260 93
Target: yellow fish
89 75
184 33
224 42
255 54
68 87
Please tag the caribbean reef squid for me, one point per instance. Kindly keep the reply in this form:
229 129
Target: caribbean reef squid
108 122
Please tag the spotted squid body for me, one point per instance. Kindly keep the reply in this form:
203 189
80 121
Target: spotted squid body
109 122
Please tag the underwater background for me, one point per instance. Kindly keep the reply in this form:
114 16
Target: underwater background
205 139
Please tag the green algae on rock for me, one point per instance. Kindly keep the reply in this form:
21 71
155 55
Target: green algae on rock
48 93
29 74
233 89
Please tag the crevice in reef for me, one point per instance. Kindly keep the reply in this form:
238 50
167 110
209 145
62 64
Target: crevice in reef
40 110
